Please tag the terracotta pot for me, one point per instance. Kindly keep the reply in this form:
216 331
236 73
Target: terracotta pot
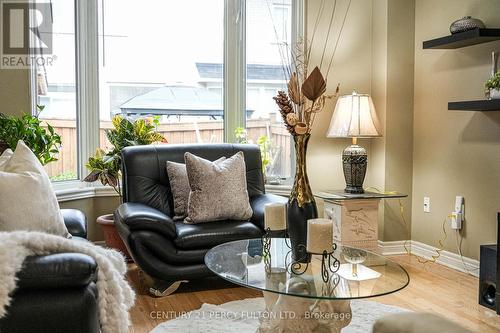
111 236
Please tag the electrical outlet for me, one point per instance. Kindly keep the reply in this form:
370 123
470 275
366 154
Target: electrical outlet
456 220
427 204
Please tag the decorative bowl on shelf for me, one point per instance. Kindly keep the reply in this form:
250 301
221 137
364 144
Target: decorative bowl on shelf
494 94
466 23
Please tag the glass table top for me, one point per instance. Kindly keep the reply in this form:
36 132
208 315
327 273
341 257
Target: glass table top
361 273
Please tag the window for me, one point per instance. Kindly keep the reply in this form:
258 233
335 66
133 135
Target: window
206 68
56 88
268 34
164 59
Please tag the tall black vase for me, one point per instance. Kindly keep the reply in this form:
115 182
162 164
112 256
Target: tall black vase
301 204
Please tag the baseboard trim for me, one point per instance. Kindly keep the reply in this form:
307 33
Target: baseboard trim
100 243
392 248
448 259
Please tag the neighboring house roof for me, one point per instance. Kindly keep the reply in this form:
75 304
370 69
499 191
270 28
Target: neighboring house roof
254 71
176 100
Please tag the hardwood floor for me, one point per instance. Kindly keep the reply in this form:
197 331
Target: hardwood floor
433 288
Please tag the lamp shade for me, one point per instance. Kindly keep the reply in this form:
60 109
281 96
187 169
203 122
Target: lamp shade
354 116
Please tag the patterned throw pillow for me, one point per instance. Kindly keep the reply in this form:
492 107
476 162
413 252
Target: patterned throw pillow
218 190
179 185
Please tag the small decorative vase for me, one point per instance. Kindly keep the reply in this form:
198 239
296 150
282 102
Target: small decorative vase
494 94
466 23
301 204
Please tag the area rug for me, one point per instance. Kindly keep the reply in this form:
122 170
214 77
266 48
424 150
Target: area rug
243 317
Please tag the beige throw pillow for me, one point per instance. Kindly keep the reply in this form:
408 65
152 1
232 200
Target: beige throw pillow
179 185
218 190
27 200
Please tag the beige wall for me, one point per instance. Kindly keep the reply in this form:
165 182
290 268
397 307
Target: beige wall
93 207
14 91
375 56
351 68
399 116
455 153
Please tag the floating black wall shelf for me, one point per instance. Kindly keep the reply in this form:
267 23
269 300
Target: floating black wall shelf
480 105
463 39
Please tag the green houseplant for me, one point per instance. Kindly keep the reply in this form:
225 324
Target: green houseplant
40 138
493 86
105 166
263 142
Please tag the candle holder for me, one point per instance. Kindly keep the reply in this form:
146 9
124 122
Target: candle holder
266 249
329 263
267 239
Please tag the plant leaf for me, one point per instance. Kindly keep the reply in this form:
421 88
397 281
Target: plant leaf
314 86
111 180
92 177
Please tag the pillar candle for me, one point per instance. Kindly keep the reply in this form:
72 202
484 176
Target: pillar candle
275 216
319 235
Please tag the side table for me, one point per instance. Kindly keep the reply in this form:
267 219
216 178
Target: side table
355 216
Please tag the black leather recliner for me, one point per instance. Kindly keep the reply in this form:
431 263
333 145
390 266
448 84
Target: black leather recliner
57 292
172 251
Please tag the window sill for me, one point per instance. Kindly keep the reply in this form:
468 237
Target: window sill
279 189
77 190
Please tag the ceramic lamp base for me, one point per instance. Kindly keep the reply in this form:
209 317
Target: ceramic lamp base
354 160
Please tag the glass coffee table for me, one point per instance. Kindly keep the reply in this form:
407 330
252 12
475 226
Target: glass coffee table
296 295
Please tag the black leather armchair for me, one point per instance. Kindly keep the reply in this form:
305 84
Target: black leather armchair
171 251
57 292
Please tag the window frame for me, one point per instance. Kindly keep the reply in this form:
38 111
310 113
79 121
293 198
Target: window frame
87 80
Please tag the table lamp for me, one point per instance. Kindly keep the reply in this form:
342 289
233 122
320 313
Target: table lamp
354 117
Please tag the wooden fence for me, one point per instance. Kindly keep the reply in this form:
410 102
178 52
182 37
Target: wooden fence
188 132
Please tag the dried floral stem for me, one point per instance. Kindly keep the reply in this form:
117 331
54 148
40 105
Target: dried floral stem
306 93
284 49
335 95
316 24
328 33
338 38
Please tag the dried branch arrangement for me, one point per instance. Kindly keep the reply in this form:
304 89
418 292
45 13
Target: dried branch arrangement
306 94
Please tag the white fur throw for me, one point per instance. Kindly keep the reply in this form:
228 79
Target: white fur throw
115 295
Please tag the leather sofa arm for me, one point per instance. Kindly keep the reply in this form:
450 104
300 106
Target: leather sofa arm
136 216
258 203
75 222
61 270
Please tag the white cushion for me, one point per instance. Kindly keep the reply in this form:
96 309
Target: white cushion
27 200
6 155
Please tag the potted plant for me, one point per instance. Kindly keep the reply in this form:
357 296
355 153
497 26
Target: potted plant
40 138
106 166
493 86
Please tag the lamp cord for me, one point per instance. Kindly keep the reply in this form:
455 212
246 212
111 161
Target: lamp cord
459 248
438 251
435 257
